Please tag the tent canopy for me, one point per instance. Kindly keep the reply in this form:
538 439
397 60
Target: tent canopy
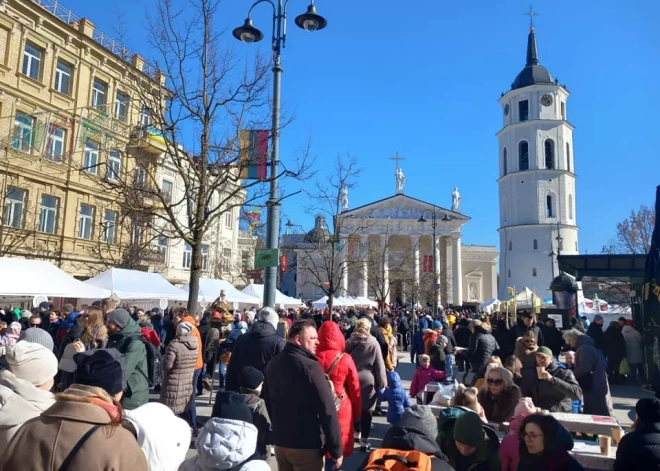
21 277
209 290
134 284
280 298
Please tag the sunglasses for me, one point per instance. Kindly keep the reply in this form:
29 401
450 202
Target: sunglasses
35 324
495 382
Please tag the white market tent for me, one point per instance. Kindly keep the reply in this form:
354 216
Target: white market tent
362 301
134 284
27 278
209 290
280 298
490 305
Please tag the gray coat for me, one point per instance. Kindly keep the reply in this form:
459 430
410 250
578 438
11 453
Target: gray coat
590 374
179 366
368 358
634 345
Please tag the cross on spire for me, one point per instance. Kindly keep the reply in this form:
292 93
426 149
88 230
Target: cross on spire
531 13
397 158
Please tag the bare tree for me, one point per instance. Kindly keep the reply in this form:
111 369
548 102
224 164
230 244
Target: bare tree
633 234
326 258
192 116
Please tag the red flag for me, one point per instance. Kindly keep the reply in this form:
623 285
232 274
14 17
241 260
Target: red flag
284 263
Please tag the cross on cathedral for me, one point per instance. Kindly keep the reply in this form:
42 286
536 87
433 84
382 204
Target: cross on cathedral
531 13
397 158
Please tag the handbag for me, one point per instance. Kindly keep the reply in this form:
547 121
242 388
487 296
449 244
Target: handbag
624 367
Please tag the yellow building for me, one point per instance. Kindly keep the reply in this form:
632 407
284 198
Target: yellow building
69 122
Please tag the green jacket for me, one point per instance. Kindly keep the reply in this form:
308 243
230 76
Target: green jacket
129 343
485 458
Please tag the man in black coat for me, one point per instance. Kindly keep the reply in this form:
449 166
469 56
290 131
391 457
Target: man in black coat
529 323
595 331
254 348
296 387
553 389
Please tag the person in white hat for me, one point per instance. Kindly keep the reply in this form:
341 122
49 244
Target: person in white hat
25 387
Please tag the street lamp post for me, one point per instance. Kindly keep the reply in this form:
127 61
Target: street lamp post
248 33
434 226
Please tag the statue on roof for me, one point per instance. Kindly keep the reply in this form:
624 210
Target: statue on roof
456 201
400 180
343 196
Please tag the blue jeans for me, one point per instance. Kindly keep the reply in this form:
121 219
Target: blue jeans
329 464
449 365
192 413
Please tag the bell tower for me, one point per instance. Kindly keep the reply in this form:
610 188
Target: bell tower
536 178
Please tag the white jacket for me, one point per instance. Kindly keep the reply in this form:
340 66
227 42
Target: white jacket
634 345
224 444
163 437
20 401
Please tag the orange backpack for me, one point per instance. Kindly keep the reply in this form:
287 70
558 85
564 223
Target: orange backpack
388 459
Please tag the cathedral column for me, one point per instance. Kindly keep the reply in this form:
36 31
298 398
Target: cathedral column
363 251
386 268
449 271
343 266
457 272
415 246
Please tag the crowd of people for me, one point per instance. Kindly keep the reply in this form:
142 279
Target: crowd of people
304 386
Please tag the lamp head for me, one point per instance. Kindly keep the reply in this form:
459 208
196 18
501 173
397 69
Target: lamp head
248 33
446 218
421 219
310 20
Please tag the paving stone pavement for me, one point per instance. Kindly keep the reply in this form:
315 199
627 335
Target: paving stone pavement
624 398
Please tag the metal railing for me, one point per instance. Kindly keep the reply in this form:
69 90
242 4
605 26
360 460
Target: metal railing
67 15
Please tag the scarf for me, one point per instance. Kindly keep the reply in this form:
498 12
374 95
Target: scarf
90 395
553 461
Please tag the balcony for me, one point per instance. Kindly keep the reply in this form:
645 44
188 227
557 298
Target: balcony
148 139
153 257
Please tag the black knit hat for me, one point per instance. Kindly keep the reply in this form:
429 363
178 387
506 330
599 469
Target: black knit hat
648 409
250 378
104 368
232 406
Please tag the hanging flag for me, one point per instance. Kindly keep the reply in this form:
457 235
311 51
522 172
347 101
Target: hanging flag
253 154
511 291
284 263
254 217
652 278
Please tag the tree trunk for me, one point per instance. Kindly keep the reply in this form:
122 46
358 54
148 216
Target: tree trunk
195 275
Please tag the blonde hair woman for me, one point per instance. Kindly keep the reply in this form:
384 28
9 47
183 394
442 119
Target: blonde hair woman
499 395
95 334
368 358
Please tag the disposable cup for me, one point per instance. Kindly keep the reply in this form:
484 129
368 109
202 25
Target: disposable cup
605 442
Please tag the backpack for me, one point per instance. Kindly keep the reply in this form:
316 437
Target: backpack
392 350
335 398
388 459
154 363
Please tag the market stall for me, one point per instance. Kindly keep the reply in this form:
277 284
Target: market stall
136 285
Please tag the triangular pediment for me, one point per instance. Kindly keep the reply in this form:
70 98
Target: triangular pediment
401 207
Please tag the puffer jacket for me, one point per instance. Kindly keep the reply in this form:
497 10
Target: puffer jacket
482 346
640 449
396 397
179 367
590 373
422 377
20 401
370 366
225 444
254 348
634 346
485 458
417 344
556 394
129 343
344 377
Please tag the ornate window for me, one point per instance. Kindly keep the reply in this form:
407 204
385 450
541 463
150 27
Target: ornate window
549 154
523 156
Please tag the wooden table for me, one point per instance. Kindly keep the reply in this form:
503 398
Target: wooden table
588 455
591 424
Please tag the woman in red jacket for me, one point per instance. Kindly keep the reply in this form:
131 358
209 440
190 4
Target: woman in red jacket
344 376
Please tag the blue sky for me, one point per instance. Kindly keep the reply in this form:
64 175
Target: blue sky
423 78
